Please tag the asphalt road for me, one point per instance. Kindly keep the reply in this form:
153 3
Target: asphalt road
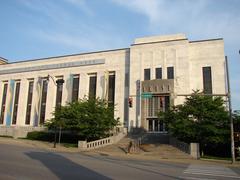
22 163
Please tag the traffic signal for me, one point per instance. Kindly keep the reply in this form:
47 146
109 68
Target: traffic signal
130 101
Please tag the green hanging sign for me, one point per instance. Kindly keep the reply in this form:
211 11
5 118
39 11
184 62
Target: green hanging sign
146 95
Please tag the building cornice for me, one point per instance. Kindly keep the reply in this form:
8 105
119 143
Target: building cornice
155 42
79 54
204 40
3 60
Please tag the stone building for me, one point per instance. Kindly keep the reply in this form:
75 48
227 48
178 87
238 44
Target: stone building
3 61
141 80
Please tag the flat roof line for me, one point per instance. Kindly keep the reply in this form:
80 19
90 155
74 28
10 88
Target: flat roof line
119 49
217 39
39 59
159 42
178 40
3 59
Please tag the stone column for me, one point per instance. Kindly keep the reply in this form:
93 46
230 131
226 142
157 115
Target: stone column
194 150
82 145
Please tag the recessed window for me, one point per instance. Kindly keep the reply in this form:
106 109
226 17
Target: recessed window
75 88
207 80
147 74
92 85
3 107
16 100
158 73
43 101
170 72
111 88
29 102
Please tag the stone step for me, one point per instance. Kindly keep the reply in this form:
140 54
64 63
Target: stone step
152 138
164 151
159 150
120 147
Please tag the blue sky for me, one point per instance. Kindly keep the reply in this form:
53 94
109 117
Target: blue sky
33 29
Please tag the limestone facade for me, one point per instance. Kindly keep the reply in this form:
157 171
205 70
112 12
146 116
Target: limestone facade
186 57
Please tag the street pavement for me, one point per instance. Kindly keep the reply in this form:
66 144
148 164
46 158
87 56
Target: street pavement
25 162
200 171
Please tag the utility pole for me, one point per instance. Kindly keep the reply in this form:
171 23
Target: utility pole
230 113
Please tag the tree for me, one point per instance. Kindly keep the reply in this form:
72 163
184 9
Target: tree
90 118
202 119
236 123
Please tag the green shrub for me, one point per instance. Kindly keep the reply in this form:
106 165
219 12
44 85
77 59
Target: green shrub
89 117
41 135
66 137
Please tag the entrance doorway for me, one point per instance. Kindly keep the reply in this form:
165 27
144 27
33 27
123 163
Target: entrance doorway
155 125
152 106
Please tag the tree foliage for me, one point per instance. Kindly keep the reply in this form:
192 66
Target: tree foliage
236 123
90 118
202 119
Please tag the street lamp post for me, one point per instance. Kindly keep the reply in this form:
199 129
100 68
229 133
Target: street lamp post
58 107
58 83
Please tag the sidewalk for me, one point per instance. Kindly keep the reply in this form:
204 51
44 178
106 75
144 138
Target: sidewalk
101 152
157 158
36 144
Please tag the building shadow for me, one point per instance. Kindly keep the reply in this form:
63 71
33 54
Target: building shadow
64 168
145 166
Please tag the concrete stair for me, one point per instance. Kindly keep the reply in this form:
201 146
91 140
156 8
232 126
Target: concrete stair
121 147
164 151
148 148
155 138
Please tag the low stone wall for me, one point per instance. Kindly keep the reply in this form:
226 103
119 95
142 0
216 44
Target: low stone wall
86 146
180 145
191 149
19 132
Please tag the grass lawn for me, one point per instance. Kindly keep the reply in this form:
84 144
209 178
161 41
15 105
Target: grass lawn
219 158
69 145
6 136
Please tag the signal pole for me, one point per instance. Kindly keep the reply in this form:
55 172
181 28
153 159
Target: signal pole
230 113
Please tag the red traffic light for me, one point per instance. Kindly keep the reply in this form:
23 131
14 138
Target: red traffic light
130 101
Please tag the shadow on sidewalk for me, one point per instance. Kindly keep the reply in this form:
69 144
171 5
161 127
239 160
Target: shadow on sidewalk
64 168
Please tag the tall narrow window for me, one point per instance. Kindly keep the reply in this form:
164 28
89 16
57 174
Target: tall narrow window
170 72
75 88
167 103
111 88
147 75
158 73
92 85
43 101
3 107
207 80
29 102
15 105
59 94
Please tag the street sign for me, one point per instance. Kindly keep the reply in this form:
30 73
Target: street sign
146 95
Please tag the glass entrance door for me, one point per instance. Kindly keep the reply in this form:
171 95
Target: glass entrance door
156 125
